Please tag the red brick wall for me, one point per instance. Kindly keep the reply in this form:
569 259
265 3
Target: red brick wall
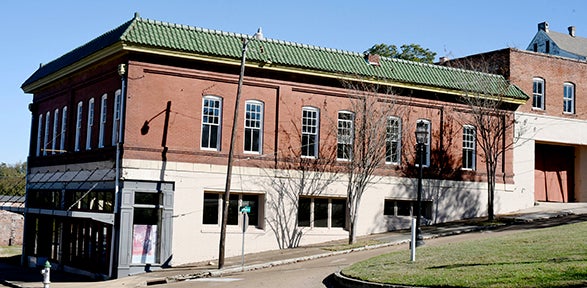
11 228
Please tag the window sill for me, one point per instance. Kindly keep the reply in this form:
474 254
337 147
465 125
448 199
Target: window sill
231 229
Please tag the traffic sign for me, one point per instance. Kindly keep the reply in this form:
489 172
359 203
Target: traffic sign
245 209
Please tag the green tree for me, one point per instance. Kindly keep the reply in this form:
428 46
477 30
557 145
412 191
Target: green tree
411 52
12 178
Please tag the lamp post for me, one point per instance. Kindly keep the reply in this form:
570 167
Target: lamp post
421 140
258 36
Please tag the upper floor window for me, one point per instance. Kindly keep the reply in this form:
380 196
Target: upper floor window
393 136
426 159
90 124
63 130
310 124
569 98
78 125
46 139
103 117
469 147
39 135
345 135
116 116
211 116
253 126
538 93
55 131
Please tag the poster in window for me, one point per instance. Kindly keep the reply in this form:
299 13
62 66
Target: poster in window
144 243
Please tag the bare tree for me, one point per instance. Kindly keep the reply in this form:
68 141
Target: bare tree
361 141
491 113
303 168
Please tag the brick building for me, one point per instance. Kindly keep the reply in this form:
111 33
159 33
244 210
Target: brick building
130 137
550 154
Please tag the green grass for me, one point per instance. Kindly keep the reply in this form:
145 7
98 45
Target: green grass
549 257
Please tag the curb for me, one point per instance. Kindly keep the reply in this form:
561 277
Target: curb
346 282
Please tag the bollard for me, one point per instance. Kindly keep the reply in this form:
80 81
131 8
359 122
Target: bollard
46 274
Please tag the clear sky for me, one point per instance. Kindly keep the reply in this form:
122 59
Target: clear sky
34 32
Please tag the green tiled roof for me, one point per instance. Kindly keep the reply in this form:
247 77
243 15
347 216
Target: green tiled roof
162 36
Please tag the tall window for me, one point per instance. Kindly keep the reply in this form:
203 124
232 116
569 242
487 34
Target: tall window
211 116
90 124
426 160
46 139
116 116
253 126
63 130
469 147
569 98
103 117
78 125
345 136
393 136
538 93
39 134
310 124
322 212
55 130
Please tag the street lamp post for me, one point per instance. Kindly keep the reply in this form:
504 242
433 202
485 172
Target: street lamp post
421 140
258 36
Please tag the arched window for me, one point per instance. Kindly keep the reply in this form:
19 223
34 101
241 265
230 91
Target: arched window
345 135
253 126
469 147
103 115
310 128
569 98
211 123
538 93
63 130
78 124
90 124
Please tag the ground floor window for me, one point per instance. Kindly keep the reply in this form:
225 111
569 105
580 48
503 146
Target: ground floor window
396 207
213 205
321 212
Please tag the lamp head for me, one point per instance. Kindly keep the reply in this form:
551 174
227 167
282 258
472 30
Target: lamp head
421 133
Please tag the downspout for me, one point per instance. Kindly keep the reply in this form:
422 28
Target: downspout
122 72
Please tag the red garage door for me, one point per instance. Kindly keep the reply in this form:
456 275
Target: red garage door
554 173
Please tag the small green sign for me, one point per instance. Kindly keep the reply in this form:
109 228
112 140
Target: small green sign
246 209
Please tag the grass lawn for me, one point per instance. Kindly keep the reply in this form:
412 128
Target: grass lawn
549 257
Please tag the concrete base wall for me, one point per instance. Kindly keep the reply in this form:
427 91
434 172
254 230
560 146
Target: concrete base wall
193 241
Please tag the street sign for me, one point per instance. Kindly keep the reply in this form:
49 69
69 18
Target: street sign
245 209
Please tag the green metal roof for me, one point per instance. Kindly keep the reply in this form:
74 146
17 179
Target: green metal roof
150 34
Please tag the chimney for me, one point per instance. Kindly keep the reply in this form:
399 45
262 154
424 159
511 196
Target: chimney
373 59
572 31
543 26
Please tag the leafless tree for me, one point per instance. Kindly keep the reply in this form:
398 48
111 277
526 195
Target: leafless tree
490 110
361 148
296 174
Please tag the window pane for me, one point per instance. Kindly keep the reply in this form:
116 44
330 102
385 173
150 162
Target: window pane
320 212
404 208
253 124
309 132
253 202
345 136
147 198
389 207
146 216
233 211
211 110
304 212
338 212
210 208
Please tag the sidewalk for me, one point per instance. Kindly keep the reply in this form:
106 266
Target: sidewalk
29 278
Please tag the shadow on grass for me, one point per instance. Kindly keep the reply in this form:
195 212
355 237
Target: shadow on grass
460 265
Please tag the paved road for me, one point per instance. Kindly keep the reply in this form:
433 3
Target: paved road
313 273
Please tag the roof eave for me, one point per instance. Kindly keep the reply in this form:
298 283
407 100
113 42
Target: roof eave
85 62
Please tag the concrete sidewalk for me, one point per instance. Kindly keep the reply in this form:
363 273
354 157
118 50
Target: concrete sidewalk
13 276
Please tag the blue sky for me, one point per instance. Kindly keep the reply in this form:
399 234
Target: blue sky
35 32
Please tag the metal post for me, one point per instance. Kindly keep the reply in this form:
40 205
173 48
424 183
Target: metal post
413 242
243 246
420 239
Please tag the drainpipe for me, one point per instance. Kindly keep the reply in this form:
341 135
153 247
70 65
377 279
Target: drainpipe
122 72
